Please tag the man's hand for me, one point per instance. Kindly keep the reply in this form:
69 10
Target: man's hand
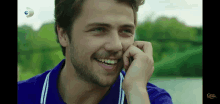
140 70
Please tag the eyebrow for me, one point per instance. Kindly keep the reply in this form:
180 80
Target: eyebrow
108 25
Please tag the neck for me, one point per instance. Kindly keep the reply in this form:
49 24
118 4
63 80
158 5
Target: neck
77 91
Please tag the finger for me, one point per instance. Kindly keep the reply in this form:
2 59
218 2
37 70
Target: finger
130 52
145 46
139 44
126 57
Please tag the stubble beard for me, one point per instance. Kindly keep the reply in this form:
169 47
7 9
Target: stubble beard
87 74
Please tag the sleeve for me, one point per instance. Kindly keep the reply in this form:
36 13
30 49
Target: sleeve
164 98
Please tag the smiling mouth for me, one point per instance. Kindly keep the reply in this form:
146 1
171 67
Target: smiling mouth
108 62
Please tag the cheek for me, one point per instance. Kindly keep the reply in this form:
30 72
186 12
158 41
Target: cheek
90 49
126 43
87 46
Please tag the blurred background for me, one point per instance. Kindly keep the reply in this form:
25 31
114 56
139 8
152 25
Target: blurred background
174 27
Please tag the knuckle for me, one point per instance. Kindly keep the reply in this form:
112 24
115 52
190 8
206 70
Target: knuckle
152 61
148 59
144 56
124 55
126 49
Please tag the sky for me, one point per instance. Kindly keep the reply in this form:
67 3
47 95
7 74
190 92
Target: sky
186 11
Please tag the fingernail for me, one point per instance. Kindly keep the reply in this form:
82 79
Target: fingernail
125 66
126 63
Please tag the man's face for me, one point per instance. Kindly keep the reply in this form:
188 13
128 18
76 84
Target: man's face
91 42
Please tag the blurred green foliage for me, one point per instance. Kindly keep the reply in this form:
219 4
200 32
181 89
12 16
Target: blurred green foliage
187 64
38 51
177 48
168 36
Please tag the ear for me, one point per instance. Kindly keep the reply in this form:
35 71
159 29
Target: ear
62 36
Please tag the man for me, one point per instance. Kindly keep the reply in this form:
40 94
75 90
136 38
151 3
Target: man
97 39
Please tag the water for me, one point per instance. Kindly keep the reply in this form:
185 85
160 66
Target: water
182 90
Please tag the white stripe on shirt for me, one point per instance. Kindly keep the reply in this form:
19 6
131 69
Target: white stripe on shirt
43 95
46 84
121 97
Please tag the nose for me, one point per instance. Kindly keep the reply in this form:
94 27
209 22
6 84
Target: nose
113 43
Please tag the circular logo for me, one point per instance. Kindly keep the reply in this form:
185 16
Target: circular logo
29 12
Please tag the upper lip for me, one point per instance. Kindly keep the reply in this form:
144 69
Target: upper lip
111 58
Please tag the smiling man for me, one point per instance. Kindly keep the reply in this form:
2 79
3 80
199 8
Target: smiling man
97 39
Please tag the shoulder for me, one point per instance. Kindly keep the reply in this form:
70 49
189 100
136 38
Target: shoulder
29 90
32 81
158 95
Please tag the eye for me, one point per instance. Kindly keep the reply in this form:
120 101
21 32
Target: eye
128 31
99 29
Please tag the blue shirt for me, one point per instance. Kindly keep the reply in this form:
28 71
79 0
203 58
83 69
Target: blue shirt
42 89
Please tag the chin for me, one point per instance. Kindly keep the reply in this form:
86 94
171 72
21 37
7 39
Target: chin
106 78
109 79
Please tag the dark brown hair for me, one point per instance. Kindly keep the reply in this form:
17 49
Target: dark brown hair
66 11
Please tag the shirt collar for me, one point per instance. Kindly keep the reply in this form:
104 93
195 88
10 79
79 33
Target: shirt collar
114 96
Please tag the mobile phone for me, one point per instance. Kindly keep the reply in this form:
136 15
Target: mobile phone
130 60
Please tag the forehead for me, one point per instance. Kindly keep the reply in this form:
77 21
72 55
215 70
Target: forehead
106 11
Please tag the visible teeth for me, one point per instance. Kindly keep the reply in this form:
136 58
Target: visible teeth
112 61
108 61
